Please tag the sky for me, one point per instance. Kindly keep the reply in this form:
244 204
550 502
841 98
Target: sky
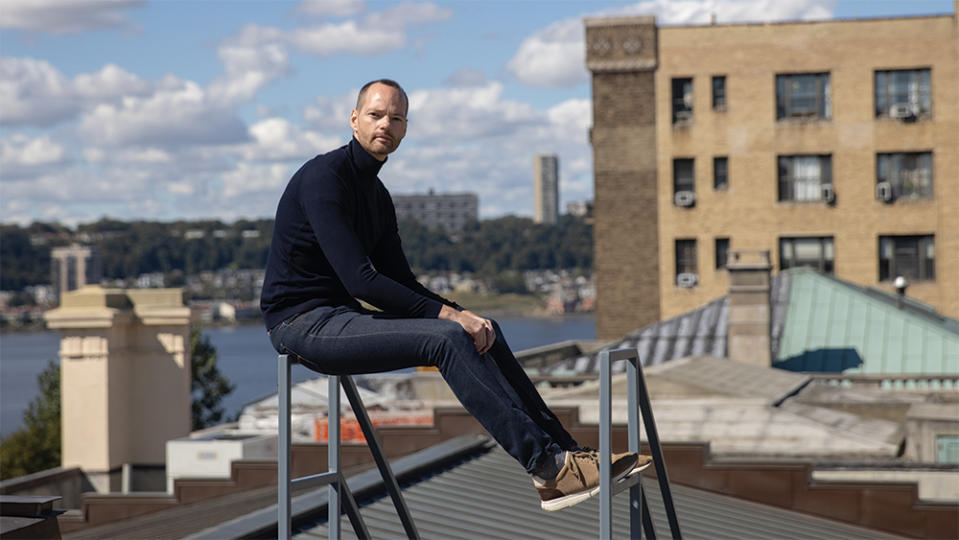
202 109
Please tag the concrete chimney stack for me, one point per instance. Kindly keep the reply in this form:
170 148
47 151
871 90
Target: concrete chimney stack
748 331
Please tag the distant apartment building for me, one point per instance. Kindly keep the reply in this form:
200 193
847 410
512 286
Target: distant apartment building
73 267
832 144
546 188
448 211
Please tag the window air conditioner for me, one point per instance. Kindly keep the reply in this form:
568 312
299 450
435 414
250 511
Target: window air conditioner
903 111
685 198
884 191
828 193
686 279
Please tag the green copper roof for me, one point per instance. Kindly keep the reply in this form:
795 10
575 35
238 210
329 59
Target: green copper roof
834 326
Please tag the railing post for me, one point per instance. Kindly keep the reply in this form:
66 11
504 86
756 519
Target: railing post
639 413
283 453
605 442
333 459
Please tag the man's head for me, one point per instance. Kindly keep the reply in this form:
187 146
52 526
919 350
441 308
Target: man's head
379 119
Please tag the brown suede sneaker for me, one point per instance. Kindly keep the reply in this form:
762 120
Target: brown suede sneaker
578 480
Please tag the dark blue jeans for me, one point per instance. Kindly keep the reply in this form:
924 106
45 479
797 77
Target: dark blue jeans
492 387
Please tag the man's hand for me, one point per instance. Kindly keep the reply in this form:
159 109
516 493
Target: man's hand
480 329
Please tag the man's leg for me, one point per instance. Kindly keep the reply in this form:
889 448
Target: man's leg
526 392
340 341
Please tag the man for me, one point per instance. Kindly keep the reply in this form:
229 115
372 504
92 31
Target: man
336 241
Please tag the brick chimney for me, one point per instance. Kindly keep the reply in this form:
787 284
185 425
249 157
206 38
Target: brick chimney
748 331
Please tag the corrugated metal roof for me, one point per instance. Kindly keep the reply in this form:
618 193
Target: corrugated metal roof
700 332
490 496
835 326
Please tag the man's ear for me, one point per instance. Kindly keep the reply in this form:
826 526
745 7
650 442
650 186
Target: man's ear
353 117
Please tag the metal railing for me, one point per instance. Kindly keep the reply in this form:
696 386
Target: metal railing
638 402
339 492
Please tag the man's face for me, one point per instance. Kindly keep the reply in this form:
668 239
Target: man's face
380 122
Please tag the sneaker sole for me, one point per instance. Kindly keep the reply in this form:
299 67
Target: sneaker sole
576 498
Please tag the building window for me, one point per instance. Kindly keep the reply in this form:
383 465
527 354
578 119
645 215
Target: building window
803 95
684 182
722 253
719 92
682 100
686 275
720 173
804 178
907 174
814 252
903 93
912 257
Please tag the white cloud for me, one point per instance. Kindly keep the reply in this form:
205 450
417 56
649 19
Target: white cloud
552 57
22 156
555 56
177 115
331 113
346 37
248 69
65 16
277 139
334 8
33 92
459 114
248 178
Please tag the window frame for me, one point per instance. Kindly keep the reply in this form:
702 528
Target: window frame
789 184
684 257
884 171
718 98
786 109
721 245
724 185
677 186
923 104
827 256
925 265
681 106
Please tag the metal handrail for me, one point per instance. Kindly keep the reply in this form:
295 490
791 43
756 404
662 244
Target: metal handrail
638 403
340 493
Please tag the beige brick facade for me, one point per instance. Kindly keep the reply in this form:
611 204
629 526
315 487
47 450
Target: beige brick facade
748 134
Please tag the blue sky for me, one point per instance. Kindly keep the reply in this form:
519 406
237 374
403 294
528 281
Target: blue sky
189 109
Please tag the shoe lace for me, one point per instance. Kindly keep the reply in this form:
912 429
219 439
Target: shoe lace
585 456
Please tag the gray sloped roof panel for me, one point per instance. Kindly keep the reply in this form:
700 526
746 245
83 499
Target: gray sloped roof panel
491 497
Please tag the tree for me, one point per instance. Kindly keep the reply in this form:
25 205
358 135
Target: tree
209 386
36 446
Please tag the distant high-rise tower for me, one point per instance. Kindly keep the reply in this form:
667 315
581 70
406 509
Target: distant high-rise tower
546 188
73 267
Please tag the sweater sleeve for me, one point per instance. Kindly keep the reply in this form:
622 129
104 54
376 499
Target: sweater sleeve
391 260
323 205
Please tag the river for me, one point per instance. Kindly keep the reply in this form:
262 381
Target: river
245 357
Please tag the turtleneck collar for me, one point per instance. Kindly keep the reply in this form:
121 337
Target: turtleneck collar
365 163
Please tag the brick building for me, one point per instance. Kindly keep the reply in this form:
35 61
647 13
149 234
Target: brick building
832 144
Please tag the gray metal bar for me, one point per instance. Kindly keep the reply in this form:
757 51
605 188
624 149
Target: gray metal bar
353 511
373 441
333 455
657 452
315 480
605 420
647 521
636 496
283 448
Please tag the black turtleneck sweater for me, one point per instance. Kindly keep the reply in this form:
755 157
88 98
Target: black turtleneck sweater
335 240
